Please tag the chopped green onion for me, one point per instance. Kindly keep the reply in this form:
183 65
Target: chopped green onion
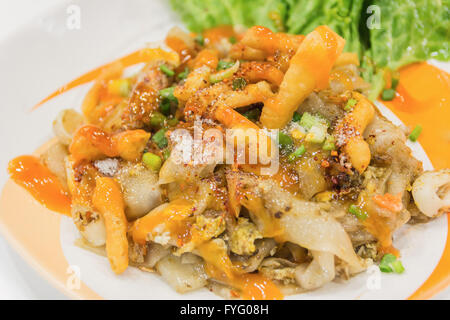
394 83
172 122
152 161
415 133
200 39
388 94
167 99
160 139
166 70
157 119
252 114
297 117
232 40
388 258
389 263
397 266
350 103
358 212
308 120
297 153
222 65
385 268
239 84
224 74
284 140
329 145
165 107
183 75
167 93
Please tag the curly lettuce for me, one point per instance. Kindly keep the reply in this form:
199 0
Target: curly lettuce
343 16
199 15
410 31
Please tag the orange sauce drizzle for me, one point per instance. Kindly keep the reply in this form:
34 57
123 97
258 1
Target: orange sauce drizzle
218 33
139 56
173 216
43 185
252 286
423 98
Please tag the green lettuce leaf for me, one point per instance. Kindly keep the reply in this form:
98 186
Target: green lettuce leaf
410 31
199 15
343 16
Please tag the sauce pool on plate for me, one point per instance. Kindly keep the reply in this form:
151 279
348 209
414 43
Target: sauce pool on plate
423 98
44 186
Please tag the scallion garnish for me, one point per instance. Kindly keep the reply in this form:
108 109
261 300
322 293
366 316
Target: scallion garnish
297 117
284 140
350 103
183 75
415 133
394 83
389 263
166 70
152 161
160 138
239 84
222 65
297 153
388 94
157 119
358 212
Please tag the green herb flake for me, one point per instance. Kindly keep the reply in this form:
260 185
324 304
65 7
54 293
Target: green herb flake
160 138
350 104
388 94
284 140
223 65
239 84
415 133
183 75
358 212
297 153
166 70
389 264
296 117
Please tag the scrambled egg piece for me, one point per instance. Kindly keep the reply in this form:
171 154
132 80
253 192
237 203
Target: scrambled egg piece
208 227
242 240
285 275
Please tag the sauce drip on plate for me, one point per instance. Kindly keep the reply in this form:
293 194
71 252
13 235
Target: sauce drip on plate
423 98
43 185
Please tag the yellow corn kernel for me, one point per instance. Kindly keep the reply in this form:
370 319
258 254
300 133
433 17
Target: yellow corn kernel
119 87
297 134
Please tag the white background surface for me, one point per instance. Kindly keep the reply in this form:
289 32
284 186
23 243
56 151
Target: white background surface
18 280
